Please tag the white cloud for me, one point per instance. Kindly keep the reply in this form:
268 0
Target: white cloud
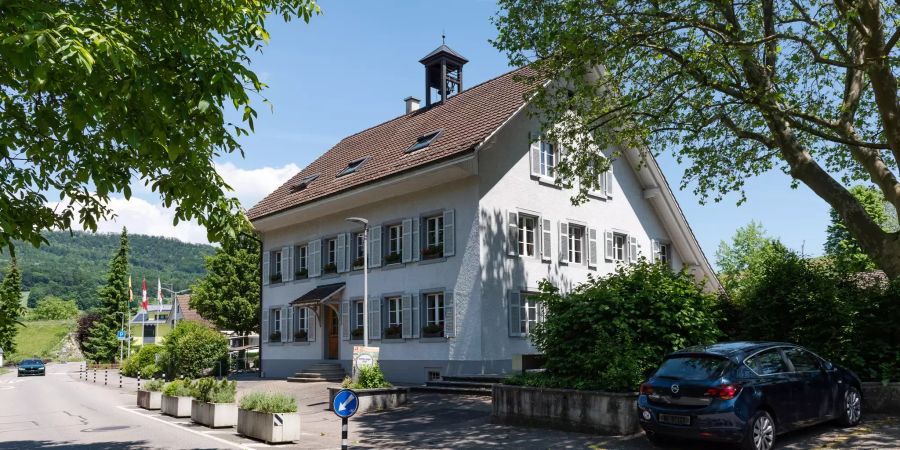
251 185
143 217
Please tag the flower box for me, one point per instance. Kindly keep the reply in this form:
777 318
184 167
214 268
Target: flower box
275 278
149 399
300 336
275 336
176 406
433 251
300 274
392 258
393 332
357 333
358 262
432 331
214 415
330 268
271 428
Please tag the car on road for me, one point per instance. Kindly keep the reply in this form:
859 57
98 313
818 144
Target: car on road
31 367
746 393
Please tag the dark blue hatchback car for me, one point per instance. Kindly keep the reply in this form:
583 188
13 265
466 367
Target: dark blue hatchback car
746 393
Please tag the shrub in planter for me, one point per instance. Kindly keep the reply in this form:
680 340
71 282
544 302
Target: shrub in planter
367 377
358 262
392 258
176 399
150 396
357 333
275 336
607 332
275 278
300 336
213 403
393 332
256 417
432 331
301 273
433 251
330 268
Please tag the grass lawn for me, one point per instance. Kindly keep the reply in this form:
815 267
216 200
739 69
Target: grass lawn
40 338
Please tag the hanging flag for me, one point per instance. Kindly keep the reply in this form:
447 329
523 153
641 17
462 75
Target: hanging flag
159 292
144 305
130 293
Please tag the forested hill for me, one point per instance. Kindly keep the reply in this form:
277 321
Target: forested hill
74 266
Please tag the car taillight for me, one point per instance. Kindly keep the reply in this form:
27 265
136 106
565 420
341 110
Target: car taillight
646 388
724 392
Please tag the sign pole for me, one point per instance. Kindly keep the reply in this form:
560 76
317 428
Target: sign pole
344 433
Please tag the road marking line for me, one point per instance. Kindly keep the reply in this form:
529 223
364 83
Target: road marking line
224 441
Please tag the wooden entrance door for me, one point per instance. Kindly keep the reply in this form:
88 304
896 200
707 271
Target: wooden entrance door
333 326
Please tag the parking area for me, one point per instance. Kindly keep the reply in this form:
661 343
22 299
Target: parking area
432 421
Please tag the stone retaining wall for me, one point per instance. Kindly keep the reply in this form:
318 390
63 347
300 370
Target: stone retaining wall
374 399
880 398
566 409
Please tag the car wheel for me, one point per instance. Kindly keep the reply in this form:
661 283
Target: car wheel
761 435
851 409
655 439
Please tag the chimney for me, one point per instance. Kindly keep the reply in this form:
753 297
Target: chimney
412 104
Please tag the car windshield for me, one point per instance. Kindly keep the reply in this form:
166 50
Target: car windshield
692 368
32 361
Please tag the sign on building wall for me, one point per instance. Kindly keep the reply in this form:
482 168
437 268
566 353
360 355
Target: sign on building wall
363 357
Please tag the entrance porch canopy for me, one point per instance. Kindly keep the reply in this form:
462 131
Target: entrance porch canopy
318 295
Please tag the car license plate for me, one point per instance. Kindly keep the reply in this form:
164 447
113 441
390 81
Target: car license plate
674 419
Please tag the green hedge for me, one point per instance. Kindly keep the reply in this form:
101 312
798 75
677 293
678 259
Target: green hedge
193 350
608 331
144 362
845 317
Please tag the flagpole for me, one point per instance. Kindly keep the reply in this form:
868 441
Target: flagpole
130 301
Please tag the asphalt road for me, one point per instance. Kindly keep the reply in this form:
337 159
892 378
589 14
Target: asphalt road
58 411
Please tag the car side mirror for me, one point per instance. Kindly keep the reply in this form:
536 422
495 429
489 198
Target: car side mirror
827 365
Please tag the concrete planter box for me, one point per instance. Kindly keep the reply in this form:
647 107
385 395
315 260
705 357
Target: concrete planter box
374 399
566 409
270 428
214 415
176 406
149 399
881 398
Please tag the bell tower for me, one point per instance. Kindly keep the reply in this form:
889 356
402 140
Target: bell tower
443 73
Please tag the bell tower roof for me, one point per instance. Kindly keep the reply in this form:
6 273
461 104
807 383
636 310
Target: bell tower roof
443 73
443 51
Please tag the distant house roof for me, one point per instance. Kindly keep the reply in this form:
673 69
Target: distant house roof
464 120
185 312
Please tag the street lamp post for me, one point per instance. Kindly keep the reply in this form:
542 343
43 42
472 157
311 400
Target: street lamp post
365 224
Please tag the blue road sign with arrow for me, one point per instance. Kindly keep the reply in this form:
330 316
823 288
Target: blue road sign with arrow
345 403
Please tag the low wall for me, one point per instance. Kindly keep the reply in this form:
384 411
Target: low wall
566 409
881 398
374 399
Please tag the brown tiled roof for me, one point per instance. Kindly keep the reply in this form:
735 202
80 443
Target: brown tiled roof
465 119
185 312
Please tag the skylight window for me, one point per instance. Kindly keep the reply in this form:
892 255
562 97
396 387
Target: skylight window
352 167
304 182
423 141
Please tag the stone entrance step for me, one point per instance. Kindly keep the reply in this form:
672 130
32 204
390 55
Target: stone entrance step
461 385
319 372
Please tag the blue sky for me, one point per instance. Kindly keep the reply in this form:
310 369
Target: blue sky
351 67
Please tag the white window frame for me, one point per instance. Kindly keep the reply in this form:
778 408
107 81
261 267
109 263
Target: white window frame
276 260
620 253
527 238
358 313
434 231
394 309
300 314
577 243
275 313
548 159
434 309
395 242
330 251
302 262
529 305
